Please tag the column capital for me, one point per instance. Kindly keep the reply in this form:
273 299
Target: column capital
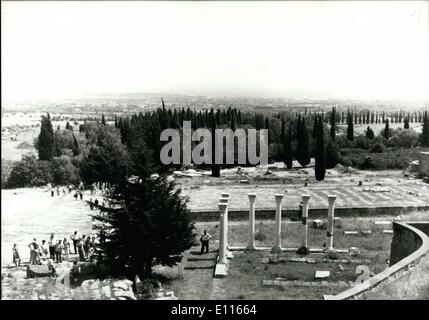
252 197
223 200
278 197
225 195
222 206
305 198
331 198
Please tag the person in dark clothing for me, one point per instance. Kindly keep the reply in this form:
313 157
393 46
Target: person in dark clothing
205 238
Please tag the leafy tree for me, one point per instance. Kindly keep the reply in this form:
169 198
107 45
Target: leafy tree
30 172
146 223
63 171
107 160
333 156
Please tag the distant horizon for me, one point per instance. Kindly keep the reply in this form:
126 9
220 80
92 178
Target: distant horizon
337 50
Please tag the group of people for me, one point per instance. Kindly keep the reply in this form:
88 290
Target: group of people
77 194
57 250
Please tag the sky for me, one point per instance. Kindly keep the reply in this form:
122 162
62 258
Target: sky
356 50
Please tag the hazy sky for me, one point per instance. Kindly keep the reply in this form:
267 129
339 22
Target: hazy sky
269 49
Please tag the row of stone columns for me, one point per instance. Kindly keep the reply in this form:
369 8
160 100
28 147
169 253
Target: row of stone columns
278 219
223 228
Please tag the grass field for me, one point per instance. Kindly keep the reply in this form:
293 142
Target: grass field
246 271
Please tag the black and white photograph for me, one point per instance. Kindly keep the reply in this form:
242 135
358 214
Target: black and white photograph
234 151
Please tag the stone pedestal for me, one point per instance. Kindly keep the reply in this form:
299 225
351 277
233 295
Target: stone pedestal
330 226
278 228
251 241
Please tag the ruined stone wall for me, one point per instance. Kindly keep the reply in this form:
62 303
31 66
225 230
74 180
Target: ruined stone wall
204 215
404 243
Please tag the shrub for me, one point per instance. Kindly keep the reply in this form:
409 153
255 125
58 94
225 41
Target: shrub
402 138
260 236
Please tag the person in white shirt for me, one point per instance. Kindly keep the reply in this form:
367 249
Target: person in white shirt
75 238
205 239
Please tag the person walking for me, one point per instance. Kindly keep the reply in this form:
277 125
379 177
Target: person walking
59 251
16 257
75 195
52 243
75 238
205 238
81 195
52 192
58 191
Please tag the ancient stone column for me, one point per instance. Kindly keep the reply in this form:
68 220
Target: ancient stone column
278 229
251 243
330 226
222 234
225 199
304 218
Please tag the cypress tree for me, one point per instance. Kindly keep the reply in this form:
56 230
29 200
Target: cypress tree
287 147
333 124
425 130
369 133
406 123
103 120
386 132
350 133
46 143
303 146
320 158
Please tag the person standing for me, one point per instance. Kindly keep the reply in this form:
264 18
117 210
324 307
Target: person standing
87 246
75 238
58 252
52 243
80 250
66 249
81 195
58 191
52 192
45 250
16 257
34 252
205 238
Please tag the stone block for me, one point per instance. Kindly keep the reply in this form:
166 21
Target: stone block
38 271
322 274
